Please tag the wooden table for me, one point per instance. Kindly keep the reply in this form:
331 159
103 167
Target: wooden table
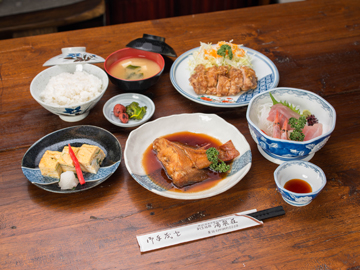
315 46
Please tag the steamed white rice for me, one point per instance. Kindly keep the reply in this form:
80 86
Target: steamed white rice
71 88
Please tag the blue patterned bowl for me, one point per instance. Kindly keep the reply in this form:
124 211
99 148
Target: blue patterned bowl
302 170
68 113
277 150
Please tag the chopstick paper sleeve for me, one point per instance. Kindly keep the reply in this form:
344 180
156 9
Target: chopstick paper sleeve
208 228
197 231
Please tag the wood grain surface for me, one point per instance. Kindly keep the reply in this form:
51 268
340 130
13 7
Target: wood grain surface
315 46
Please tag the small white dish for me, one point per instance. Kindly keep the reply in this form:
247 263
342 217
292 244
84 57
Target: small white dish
74 55
266 71
302 170
127 99
210 124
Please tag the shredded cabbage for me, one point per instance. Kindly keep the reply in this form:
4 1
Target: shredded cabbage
207 55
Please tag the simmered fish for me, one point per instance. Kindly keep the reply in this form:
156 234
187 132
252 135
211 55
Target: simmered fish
186 165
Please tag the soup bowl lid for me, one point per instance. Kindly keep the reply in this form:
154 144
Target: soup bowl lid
152 43
74 55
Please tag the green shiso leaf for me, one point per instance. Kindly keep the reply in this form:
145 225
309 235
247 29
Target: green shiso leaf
285 103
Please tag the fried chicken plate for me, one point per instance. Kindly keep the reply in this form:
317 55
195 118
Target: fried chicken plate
186 165
223 80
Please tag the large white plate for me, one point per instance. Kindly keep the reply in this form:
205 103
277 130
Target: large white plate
210 124
266 71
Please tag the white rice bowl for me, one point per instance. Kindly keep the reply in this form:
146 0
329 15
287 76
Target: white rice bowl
70 101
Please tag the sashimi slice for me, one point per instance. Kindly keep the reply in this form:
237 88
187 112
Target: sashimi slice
312 132
285 112
276 127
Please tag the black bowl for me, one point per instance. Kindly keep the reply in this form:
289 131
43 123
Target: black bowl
134 85
76 136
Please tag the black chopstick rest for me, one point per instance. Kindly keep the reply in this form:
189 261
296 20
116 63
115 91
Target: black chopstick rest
268 213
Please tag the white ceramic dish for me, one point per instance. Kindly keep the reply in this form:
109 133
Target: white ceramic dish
126 99
210 124
266 71
71 113
302 170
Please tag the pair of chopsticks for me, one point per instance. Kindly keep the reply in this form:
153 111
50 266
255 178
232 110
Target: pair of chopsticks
268 213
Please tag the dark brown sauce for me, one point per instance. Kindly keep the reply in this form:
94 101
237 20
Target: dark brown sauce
157 174
298 186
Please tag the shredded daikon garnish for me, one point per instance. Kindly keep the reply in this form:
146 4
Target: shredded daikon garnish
263 123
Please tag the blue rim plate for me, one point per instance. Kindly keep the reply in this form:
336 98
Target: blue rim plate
210 124
266 71
76 136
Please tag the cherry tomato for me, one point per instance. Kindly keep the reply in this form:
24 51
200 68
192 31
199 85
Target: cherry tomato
124 118
118 109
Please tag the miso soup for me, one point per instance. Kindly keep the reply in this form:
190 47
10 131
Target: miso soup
134 69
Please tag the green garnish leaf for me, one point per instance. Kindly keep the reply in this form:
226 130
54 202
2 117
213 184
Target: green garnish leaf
217 164
285 103
133 67
225 49
297 125
135 76
273 99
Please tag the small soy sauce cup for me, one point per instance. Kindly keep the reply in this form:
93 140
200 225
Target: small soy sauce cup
302 170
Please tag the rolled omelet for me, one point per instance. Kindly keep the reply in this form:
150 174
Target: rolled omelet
49 164
90 158
65 160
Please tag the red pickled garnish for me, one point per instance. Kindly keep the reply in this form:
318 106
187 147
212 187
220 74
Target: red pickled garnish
124 118
118 109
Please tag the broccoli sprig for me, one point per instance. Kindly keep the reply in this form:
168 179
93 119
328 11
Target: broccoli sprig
217 164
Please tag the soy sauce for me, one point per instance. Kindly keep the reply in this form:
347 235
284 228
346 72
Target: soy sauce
298 186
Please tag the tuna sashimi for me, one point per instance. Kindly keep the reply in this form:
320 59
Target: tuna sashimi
311 132
285 113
